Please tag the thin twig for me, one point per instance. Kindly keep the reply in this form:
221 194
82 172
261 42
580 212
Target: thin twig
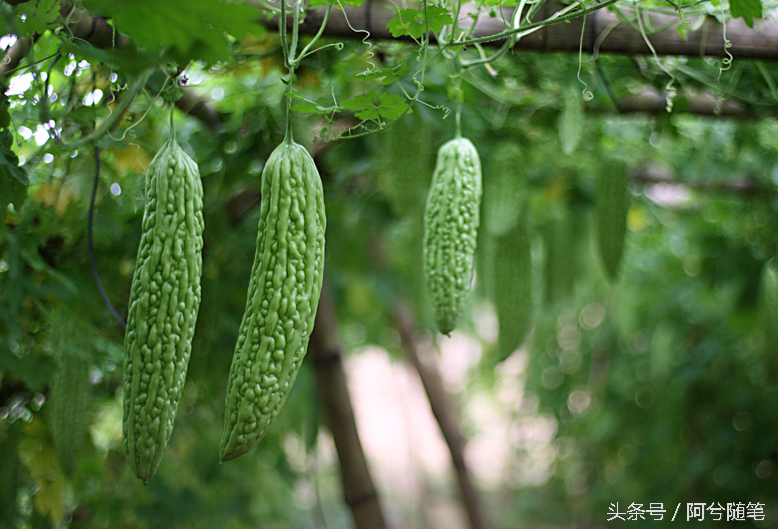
91 246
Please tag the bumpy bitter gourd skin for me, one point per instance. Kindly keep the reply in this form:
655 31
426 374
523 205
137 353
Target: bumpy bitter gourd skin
450 230
164 301
283 295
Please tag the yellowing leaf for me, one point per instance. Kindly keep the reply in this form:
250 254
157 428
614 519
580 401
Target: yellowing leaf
56 196
37 454
50 498
131 159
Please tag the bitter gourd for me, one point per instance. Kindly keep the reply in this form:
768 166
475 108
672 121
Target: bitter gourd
510 283
164 301
69 408
407 160
560 255
768 301
504 188
283 295
612 205
451 220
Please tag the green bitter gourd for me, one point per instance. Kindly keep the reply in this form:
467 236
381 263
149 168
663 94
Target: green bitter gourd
69 408
164 301
504 188
768 305
407 160
451 221
283 295
612 205
510 283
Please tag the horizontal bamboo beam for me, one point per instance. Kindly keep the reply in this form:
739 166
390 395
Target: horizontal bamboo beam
604 33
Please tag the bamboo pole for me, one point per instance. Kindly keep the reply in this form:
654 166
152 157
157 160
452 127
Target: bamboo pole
324 350
604 33
444 412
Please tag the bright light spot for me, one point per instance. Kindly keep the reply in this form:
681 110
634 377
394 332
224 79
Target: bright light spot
216 165
70 68
92 98
74 154
22 160
116 189
668 194
217 93
95 376
578 401
48 158
592 316
568 337
655 140
24 132
41 135
114 77
195 77
255 167
19 84
83 65
7 41
3 266
764 469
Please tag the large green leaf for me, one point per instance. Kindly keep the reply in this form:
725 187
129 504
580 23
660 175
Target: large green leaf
191 29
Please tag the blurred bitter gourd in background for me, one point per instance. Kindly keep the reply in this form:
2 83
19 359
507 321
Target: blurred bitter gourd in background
164 301
504 188
283 296
612 206
560 254
507 266
768 300
451 221
407 159
69 403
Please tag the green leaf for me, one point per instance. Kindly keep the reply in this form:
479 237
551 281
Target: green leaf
13 179
39 16
411 21
747 9
374 107
191 29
